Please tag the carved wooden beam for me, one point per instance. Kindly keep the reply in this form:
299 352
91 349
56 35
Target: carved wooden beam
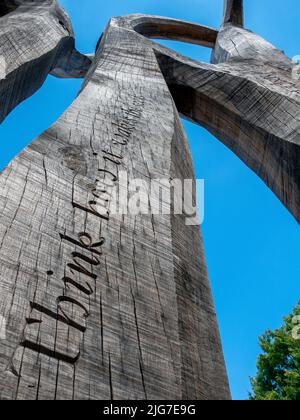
100 305
36 38
172 29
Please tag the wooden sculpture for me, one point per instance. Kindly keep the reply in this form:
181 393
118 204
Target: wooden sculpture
106 305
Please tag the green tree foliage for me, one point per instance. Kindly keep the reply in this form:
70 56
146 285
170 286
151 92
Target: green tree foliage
278 376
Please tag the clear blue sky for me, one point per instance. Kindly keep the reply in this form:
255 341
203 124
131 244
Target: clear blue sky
251 241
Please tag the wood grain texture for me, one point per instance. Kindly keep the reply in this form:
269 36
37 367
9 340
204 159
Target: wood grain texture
101 305
105 306
36 38
250 100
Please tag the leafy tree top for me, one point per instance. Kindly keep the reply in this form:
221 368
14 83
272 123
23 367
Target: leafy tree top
278 376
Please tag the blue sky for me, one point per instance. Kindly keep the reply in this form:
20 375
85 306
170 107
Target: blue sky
251 240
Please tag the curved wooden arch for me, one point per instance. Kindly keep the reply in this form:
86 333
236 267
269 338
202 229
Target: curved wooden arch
234 12
173 29
248 98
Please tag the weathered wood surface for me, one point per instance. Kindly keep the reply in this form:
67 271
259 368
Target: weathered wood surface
101 306
233 12
248 99
36 38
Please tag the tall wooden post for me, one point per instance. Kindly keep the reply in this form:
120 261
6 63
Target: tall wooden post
101 305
